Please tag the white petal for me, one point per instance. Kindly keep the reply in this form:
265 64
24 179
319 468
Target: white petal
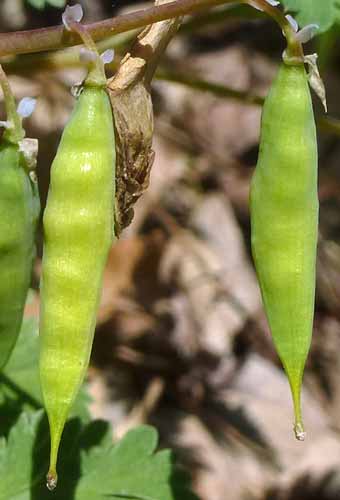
107 56
73 14
307 33
26 106
292 22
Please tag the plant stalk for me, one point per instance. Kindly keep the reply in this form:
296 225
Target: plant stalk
56 37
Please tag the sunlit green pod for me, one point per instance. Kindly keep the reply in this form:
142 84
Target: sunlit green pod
284 221
78 222
19 209
19 213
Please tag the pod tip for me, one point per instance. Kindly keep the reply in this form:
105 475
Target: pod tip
299 431
51 480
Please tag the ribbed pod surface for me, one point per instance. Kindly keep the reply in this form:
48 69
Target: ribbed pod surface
284 221
78 233
19 211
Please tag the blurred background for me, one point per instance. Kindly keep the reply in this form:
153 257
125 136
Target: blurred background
182 342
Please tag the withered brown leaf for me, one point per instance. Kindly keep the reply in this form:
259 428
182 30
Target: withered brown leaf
130 97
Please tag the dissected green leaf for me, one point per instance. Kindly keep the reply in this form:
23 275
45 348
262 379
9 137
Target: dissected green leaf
19 382
15 467
90 466
136 471
21 373
324 13
130 474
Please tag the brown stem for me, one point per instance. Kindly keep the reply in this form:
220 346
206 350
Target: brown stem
24 42
84 35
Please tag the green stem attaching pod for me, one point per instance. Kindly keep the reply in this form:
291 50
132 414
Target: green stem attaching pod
19 209
284 221
78 223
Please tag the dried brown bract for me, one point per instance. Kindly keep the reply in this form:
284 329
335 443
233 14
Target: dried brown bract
129 92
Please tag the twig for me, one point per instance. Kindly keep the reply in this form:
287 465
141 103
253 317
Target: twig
329 125
205 85
221 15
24 42
64 58
142 410
326 124
69 57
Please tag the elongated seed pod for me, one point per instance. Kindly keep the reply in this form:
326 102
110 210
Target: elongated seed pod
19 209
78 223
284 222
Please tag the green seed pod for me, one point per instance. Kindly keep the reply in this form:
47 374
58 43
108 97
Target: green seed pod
284 222
19 209
78 223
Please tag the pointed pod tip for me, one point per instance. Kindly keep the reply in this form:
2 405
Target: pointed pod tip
299 431
51 480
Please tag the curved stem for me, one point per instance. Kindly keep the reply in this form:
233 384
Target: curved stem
15 132
63 58
96 75
84 35
294 50
24 42
327 124
195 82
221 15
